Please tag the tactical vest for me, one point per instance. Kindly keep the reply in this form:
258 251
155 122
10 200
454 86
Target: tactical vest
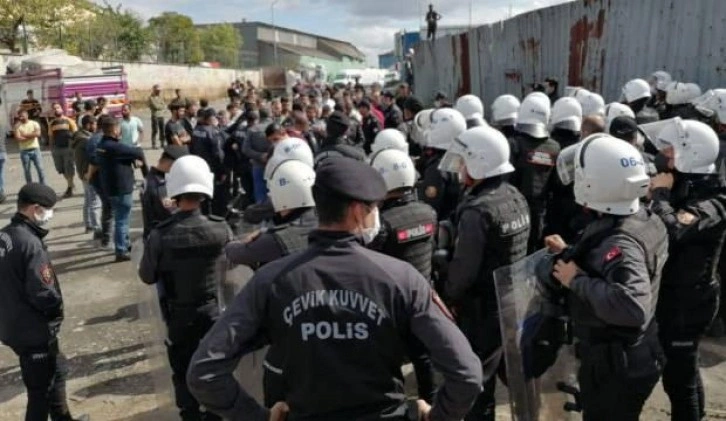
411 228
60 127
505 213
651 235
192 256
293 236
535 159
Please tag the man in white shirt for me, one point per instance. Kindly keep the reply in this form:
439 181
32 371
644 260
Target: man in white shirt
132 129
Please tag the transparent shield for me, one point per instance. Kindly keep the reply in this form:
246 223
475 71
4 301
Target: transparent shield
566 164
652 130
531 398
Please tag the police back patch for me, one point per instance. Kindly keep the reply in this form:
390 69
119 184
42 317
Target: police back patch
541 158
411 234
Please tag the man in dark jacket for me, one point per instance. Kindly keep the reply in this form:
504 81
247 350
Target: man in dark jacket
393 116
31 305
337 142
207 143
370 125
257 149
116 162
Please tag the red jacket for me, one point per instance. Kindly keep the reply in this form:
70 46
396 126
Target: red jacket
378 114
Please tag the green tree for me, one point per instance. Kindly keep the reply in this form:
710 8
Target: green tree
18 16
176 38
221 43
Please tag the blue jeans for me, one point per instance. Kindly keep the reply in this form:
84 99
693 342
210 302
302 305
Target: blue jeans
91 207
33 156
121 214
2 170
258 176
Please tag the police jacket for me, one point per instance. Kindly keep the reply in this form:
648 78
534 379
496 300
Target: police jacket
436 188
185 253
407 232
621 258
152 200
342 312
256 145
535 161
370 126
207 143
339 147
695 215
492 231
393 117
116 162
288 236
31 303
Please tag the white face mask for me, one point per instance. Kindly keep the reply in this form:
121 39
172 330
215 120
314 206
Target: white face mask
43 217
369 234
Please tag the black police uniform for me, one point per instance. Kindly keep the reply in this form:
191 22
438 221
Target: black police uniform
493 228
31 309
338 143
153 192
341 311
407 233
436 188
564 216
695 215
207 143
612 309
370 126
184 253
534 160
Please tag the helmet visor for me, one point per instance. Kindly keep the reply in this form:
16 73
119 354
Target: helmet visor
453 160
566 164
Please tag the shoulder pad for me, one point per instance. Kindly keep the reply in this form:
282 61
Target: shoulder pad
216 218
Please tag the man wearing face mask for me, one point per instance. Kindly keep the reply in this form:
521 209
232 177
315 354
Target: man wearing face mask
31 305
343 313
493 229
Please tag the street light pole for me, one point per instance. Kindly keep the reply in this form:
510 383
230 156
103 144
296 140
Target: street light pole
274 29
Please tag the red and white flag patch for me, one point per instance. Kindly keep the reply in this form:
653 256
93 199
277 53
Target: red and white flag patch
614 253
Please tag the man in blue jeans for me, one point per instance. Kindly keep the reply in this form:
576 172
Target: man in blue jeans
116 162
27 133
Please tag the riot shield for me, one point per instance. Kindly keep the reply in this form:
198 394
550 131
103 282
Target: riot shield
151 321
533 395
650 131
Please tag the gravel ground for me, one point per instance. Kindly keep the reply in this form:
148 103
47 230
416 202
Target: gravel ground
118 369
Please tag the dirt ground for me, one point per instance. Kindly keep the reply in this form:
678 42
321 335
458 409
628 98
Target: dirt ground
117 366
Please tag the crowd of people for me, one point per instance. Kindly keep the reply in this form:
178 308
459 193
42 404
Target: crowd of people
380 225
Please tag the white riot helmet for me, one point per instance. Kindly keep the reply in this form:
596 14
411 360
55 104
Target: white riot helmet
470 106
720 105
592 104
396 167
484 151
287 149
614 110
534 115
389 139
505 110
678 93
659 81
446 125
291 186
421 125
610 175
566 114
190 174
636 89
695 146
694 91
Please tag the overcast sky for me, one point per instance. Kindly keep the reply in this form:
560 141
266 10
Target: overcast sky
369 24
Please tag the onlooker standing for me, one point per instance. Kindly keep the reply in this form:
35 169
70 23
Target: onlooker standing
174 131
158 109
32 106
370 124
60 133
78 104
93 177
117 179
91 201
132 129
432 19
101 106
27 133
89 108
257 149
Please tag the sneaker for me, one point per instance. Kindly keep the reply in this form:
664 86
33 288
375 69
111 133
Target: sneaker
123 257
68 193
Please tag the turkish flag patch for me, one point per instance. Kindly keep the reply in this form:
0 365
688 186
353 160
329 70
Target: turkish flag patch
440 304
612 254
46 275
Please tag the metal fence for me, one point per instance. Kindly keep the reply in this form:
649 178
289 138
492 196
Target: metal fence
596 44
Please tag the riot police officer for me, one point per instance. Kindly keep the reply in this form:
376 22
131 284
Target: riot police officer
439 189
534 155
184 254
31 305
207 143
156 206
342 312
471 107
637 96
505 110
613 273
390 139
691 201
492 231
407 233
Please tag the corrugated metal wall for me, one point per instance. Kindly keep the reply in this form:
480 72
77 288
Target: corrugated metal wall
597 44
